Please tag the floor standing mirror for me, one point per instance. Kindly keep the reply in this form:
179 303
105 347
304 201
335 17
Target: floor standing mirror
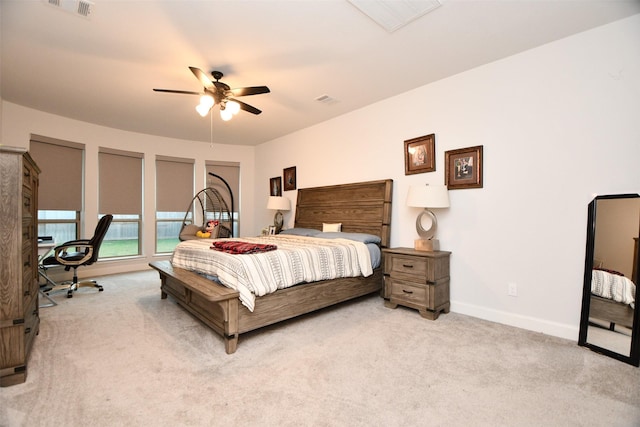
610 323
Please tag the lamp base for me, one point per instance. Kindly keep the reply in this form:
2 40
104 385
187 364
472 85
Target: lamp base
427 245
278 221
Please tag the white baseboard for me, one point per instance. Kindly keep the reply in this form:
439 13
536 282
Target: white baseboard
104 268
534 324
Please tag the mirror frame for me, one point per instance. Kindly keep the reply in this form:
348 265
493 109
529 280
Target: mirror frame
634 355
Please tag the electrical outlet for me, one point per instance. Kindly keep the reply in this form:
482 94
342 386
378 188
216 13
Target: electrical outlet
512 290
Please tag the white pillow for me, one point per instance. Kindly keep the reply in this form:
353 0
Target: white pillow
331 227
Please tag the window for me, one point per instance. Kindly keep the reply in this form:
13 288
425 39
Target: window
60 187
120 194
62 225
174 191
230 172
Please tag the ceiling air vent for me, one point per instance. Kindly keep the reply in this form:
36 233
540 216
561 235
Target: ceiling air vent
83 8
326 99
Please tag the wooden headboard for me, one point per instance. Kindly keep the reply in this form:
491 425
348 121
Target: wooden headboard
363 207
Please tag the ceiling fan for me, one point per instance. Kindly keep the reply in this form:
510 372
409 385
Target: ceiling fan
217 92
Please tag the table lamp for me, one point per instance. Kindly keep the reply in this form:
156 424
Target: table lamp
427 196
279 204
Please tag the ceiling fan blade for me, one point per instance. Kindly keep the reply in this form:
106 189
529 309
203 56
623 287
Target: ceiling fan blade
246 107
201 76
253 90
186 92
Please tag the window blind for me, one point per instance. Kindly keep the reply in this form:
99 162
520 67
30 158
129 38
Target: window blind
120 182
62 177
174 183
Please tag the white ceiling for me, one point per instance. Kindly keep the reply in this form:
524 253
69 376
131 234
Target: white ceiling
102 69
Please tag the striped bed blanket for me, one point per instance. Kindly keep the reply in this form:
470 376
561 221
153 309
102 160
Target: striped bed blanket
613 286
297 260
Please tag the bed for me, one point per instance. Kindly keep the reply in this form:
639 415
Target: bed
612 298
363 207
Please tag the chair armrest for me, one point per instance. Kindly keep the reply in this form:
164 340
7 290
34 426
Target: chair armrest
62 249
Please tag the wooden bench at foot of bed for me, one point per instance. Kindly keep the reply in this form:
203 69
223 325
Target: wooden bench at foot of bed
216 306
219 307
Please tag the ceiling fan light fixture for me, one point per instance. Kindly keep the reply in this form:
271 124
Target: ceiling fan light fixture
233 107
226 115
220 93
203 110
207 100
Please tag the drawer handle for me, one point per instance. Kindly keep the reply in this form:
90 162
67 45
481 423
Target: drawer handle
407 265
407 292
27 293
27 331
27 173
27 264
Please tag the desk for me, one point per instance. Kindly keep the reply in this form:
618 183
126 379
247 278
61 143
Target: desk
44 248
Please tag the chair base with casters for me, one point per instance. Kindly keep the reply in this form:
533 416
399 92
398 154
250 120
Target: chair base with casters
77 253
74 285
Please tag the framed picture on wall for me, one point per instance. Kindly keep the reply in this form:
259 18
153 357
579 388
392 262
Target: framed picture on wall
289 178
419 154
463 168
275 186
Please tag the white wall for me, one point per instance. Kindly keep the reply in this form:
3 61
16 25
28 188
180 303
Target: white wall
21 122
558 123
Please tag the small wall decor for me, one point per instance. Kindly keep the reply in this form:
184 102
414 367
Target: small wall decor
275 186
463 168
289 178
419 154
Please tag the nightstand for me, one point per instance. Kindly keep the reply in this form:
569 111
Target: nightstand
417 279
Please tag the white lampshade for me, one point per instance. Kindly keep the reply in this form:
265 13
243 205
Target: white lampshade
278 203
428 196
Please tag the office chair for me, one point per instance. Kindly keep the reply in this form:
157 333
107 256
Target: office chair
76 253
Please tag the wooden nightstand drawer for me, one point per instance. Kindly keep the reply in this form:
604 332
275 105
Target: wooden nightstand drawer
424 267
407 293
411 266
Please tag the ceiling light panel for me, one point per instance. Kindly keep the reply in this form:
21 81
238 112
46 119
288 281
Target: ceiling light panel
394 14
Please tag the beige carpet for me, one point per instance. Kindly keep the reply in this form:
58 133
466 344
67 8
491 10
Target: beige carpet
124 357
